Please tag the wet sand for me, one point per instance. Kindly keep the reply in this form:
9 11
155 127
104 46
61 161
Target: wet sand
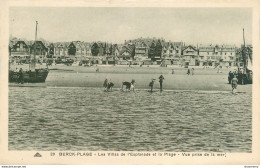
207 79
203 79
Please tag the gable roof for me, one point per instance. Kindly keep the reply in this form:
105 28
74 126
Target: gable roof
40 43
20 41
189 46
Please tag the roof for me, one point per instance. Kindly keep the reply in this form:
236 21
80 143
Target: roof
39 42
79 44
166 45
189 46
19 41
129 48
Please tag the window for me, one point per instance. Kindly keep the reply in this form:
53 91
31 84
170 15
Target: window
208 53
225 53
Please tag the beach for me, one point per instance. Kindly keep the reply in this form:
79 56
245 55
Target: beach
207 79
203 79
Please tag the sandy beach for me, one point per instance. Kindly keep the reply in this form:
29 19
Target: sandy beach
207 79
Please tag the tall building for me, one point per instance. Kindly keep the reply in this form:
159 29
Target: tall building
214 55
190 56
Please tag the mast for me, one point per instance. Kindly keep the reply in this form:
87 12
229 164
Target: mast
33 61
36 31
244 38
244 54
10 56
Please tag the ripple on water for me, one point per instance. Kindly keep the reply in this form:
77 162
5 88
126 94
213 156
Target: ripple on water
91 119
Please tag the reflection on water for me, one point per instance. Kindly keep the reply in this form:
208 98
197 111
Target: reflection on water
91 119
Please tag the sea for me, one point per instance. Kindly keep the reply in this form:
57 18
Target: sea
90 119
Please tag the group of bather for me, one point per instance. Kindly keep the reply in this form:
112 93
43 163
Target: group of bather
128 86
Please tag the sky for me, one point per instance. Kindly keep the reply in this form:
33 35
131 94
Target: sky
190 25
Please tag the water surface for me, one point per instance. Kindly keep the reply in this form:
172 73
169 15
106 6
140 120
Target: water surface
69 118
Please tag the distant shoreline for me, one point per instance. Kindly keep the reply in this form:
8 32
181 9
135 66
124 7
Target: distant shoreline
207 79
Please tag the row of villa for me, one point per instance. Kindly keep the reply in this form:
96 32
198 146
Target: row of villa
139 51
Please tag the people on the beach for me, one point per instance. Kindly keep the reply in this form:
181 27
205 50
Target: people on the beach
230 77
188 72
132 85
151 84
234 82
108 85
235 72
21 79
161 78
128 85
105 84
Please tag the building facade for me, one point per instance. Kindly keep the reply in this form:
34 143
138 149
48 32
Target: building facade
190 56
224 55
39 50
141 51
20 51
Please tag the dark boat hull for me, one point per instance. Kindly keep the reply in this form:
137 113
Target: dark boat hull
37 76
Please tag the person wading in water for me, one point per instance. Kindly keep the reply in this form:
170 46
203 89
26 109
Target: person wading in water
105 84
161 78
188 73
234 84
151 84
